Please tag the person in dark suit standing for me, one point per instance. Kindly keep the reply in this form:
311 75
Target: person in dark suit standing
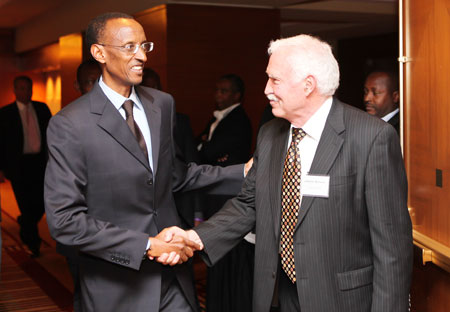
226 140
381 97
227 137
327 194
110 179
23 127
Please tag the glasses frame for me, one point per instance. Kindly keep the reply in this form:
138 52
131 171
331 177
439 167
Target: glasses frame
137 46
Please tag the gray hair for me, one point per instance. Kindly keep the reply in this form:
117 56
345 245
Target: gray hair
311 56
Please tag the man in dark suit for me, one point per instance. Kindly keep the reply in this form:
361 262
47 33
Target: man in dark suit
23 127
381 97
110 176
327 194
227 137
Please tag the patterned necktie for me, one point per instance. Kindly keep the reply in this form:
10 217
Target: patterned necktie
128 107
290 203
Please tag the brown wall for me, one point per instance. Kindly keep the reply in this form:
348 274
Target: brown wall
201 43
427 138
8 68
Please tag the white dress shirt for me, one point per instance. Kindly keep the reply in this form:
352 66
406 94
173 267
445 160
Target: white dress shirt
390 115
27 146
313 129
138 113
219 116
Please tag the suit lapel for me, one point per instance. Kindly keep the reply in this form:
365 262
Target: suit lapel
329 146
153 114
113 123
278 154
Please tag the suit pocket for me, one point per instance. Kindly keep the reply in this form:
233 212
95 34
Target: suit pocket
356 278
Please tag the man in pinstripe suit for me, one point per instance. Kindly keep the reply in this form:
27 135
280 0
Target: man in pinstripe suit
352 242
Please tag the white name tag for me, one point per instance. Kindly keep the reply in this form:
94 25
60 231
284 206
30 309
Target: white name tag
315 185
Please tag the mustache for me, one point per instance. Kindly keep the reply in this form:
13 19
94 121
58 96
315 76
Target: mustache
272 97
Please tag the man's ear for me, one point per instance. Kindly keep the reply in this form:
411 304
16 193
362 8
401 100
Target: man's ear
98 53
309 85
396 97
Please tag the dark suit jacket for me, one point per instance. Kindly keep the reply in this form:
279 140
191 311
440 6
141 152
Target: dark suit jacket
395 122
232 137
11 137
102 198
353 250
187 202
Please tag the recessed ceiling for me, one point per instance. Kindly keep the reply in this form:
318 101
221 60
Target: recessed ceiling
329 19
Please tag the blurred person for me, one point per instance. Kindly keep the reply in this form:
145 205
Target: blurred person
226 140
227 137
88 73
23 125
381 97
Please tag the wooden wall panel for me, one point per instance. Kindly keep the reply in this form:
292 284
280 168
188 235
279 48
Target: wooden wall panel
70 51
427 139
8 69
428 115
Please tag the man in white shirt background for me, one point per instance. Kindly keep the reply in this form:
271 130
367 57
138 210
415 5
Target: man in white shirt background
23 124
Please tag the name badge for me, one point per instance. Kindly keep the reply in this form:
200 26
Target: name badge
315 185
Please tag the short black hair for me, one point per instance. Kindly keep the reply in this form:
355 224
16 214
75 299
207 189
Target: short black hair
89 63
23 78
236 83
97 25
392 76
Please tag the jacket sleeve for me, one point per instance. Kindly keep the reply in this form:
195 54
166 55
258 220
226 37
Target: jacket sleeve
389 222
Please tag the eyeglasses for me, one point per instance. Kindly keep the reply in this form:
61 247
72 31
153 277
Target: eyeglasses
132 48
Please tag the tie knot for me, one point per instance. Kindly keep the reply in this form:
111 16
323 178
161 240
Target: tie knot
298 134
128 107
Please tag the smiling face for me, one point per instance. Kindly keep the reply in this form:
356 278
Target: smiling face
120 69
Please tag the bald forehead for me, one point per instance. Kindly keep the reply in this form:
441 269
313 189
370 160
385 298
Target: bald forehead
120 27
381 79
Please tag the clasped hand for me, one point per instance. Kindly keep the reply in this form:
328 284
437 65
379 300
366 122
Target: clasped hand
174 246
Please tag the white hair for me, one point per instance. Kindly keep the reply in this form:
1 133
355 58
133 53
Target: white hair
311 56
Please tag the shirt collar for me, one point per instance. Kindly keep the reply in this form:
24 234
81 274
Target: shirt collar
21 105
316 123
222 113
390 115
117 99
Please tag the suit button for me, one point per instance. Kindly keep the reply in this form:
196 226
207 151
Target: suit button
274 274
150 182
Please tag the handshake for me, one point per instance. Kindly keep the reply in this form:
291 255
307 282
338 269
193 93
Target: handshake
174 246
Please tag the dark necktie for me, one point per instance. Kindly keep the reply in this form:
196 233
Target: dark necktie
128 107
290 203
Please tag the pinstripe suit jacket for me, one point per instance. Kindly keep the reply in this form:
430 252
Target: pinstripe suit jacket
353 250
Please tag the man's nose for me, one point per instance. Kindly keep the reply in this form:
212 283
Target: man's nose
141 55
268 88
